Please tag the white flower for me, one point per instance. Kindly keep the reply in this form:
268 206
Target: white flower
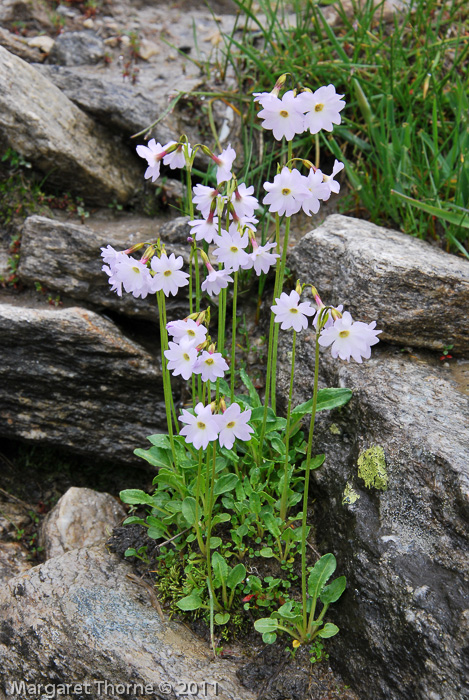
329 181
317 190
203 198
262 259
205 229
168 277
210 366
287 192
233 424
349 339
133 275
243 202
215 281
153 153
264 98
231 251
290 313
187 330
177 158
182 358
224 162
284 116
322 108
201 428
111 256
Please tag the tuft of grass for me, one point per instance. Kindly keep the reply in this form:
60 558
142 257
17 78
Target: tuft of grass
404 137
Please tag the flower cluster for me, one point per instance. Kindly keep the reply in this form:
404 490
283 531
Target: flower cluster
293 114
348 338
203 426
186 355
164 273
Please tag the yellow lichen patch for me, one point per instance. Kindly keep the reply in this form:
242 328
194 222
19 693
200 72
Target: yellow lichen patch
372 468
350 495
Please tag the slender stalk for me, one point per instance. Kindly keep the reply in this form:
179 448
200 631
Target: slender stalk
209 524
283 502
267 384
165 332
197 496
166 377
306 488
233 338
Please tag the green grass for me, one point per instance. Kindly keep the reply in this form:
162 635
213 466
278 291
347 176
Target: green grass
404 137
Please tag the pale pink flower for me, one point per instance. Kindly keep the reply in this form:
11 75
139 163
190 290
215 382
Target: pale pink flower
233 424
215 281
262 259
349 338
131 274
322 108
317 190
182 358
169 276
205 229
243 202
230 250
287 192
187 330
153 154
284 116
177 158
210 366
203 198
331 184
201 428
290 313
224 162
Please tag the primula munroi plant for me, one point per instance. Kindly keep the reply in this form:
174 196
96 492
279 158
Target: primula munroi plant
231 473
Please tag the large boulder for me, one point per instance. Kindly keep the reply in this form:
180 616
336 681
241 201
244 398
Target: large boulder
80 619
66 258
71 378
42 124
418 294
391 502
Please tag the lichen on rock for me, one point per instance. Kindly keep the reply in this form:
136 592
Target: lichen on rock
372 468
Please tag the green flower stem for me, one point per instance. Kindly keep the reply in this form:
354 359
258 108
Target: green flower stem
233 338
171 399
221 320
209 525
267 386
197 496
194 259
166 376
283 502
306 488
312 622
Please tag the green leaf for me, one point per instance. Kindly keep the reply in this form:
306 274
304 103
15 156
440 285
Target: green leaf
315 463
266 552
160 440
222 618
156 533
253 395
135 497
271 524
215 542
221 518
188 509
225 483
236 576
133 519
269 637
190 602
266 624
333 591
322 571
326 400
329 630
156 456
277 443
219 566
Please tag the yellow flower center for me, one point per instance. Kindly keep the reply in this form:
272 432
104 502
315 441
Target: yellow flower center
294 310
344 334
191 332
201 425
286 191
186 356
284 113
136 269
319 107
234 249
209 361
167 273
231 424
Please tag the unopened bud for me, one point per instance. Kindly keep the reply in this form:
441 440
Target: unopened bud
211 348
213 406
148 254
335 314
298 288
134 248
222 404
279 84
190 239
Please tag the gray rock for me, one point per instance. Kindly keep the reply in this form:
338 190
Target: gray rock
71 378
14 560
70 259
79 617
35 15
82 517
418 294
77 48
403 618
39 122
19 46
